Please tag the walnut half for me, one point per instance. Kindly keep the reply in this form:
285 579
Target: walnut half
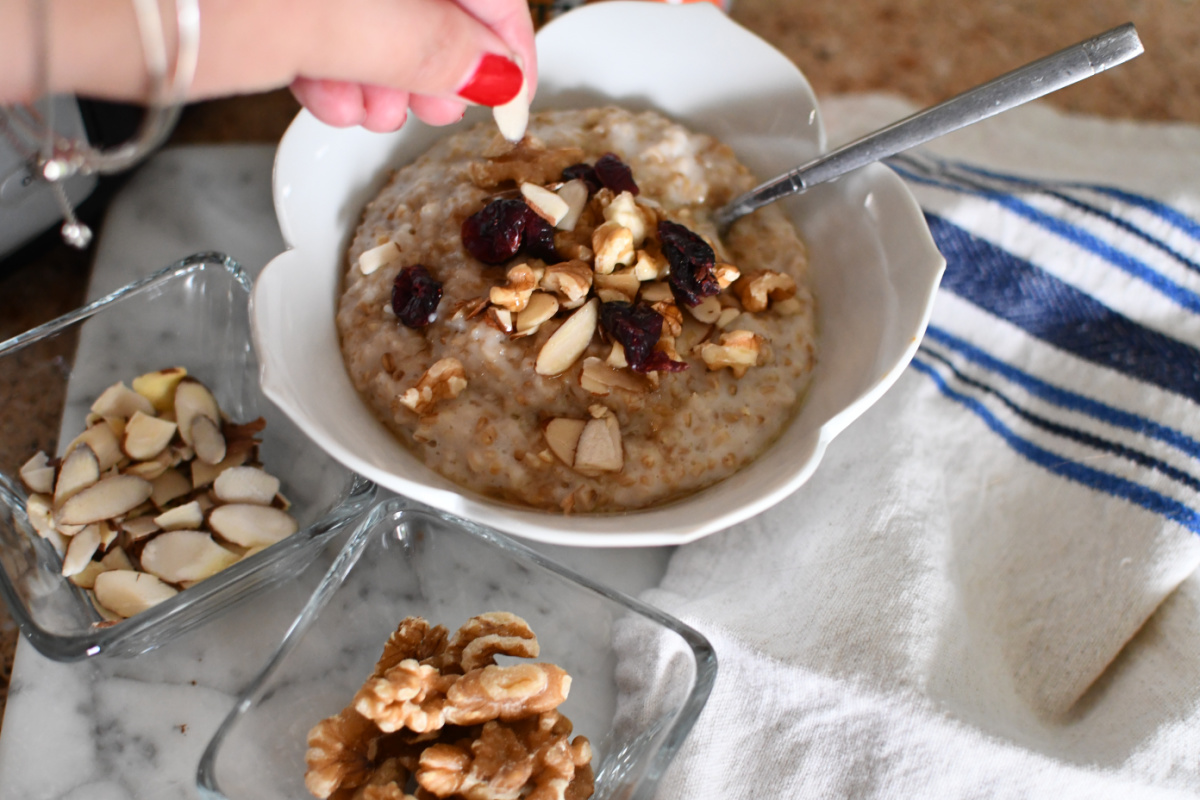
444 380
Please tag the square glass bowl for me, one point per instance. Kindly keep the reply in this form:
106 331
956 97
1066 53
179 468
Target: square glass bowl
639 677
192 314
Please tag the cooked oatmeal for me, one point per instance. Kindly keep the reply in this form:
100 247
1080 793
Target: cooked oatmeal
605 365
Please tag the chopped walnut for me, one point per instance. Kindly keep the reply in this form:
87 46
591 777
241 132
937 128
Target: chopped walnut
672 317
514 295
570 281
483 637
414 639
385 783
507 693
625 211
529 161
444 380
726 274
621 285
443 768
338 753
737 350
613 245
409 695
760 287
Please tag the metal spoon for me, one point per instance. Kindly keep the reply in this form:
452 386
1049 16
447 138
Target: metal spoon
1023 84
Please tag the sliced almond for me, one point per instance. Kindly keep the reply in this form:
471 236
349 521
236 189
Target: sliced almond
127 593
207 440
377 257
109 498
153 468
193 399
246 485
119 400
179 556
159 387
38 474
105 443
598 373
81 549
616 356
251 525
562 435
541 307
139 527
80 469
728 315
575 194
204 474
622 285
545 203
116 558
147 436
513 117
169 486
567 343
86 577
188 516
707 310
657 292
108 534
599 448
40 510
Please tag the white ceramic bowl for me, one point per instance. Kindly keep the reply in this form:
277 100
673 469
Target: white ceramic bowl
874 265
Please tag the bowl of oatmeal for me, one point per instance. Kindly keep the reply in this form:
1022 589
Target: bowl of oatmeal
551 338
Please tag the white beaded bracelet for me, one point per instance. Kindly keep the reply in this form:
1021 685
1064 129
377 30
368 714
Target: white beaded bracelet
57 158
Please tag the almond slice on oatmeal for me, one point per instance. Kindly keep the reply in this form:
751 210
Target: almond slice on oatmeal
545 203
600 448
575 194
541 307
562 436
377 257
567 343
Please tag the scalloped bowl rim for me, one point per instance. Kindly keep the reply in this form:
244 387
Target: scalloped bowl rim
867 217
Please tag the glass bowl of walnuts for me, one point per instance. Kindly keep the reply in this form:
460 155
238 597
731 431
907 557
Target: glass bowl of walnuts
439 658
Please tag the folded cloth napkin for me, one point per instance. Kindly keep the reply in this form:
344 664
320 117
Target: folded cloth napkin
987 588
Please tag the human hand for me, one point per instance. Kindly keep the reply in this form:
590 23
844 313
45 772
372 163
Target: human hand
462 49
351 62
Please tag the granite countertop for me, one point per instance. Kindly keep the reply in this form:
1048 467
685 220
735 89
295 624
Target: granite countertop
926 50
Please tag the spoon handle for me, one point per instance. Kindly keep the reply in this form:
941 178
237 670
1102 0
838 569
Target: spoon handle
1023 84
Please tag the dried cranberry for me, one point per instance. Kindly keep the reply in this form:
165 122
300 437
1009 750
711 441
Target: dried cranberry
636 326
494 234
658 361
691 261
539 238
585 173
615 174
415 296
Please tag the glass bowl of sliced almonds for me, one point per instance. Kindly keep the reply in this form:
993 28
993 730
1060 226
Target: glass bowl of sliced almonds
169 489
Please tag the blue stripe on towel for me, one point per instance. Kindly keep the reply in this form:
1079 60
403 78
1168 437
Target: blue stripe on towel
1061 315
1063 398
1178 294
1050 190
1053 462
1082 437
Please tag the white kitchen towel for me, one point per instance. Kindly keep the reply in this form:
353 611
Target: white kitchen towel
988 588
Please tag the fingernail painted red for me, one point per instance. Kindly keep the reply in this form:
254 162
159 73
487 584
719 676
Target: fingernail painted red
496 81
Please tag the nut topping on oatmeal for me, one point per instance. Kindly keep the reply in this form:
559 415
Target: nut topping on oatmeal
378 257
596 271
445 380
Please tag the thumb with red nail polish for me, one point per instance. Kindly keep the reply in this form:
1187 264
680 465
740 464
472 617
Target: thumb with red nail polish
495 81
